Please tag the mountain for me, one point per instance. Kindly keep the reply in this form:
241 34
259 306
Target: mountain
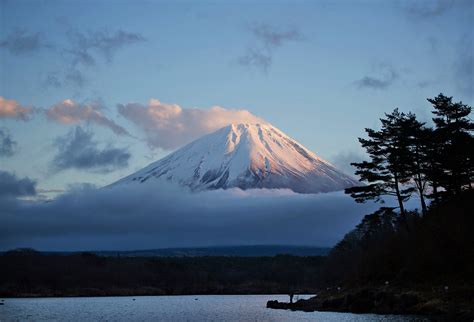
245 156
240 251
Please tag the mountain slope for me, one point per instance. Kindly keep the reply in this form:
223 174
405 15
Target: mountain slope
245 156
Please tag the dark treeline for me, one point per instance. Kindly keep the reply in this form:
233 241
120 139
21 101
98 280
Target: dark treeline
29 273
416 265
236 251
405 261
434 250
407 157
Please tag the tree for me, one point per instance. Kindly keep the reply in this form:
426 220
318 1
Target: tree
455 142
434 171
388 169
419 164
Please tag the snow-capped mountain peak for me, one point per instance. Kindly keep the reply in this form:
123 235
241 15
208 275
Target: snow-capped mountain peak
250 155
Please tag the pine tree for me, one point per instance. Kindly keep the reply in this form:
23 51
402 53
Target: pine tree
434 171
455 141
419 162
388 170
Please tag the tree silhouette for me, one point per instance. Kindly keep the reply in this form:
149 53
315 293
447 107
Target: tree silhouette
455 143
388 168
418 162
406 156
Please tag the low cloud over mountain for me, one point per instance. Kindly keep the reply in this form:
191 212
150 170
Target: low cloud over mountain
125 217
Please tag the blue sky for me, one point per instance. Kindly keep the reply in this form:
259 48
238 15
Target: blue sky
321 71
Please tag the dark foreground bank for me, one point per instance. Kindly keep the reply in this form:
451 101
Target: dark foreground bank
421 265
453 303
33 274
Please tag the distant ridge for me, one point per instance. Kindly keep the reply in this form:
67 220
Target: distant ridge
238 251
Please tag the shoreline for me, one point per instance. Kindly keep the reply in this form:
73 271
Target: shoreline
39 296
453 303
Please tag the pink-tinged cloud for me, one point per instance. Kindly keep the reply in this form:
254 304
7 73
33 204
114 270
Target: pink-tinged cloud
13 110
169 126
70 112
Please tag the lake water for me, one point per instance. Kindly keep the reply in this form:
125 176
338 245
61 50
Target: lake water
169 308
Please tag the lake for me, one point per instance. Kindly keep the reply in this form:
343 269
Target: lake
169 308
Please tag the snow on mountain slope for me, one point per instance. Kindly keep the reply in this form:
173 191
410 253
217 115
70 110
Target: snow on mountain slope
245 156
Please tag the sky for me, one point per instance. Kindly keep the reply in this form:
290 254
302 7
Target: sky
91 91
321 71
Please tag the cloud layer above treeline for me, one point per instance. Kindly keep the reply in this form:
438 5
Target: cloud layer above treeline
138 217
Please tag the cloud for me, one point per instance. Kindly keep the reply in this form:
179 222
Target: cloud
273 38
81 187
13 110
344 159
21 42
71 76
425 83
70 112
78 150
388 75
144 217
65 112
169 126
52 80
445 12
7 144
268 39
80 51
464 65
50 191
75 77
85 46
256 58
12 186
428 9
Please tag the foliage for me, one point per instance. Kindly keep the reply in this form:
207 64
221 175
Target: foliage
455 143
86 274
438 248
407 156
